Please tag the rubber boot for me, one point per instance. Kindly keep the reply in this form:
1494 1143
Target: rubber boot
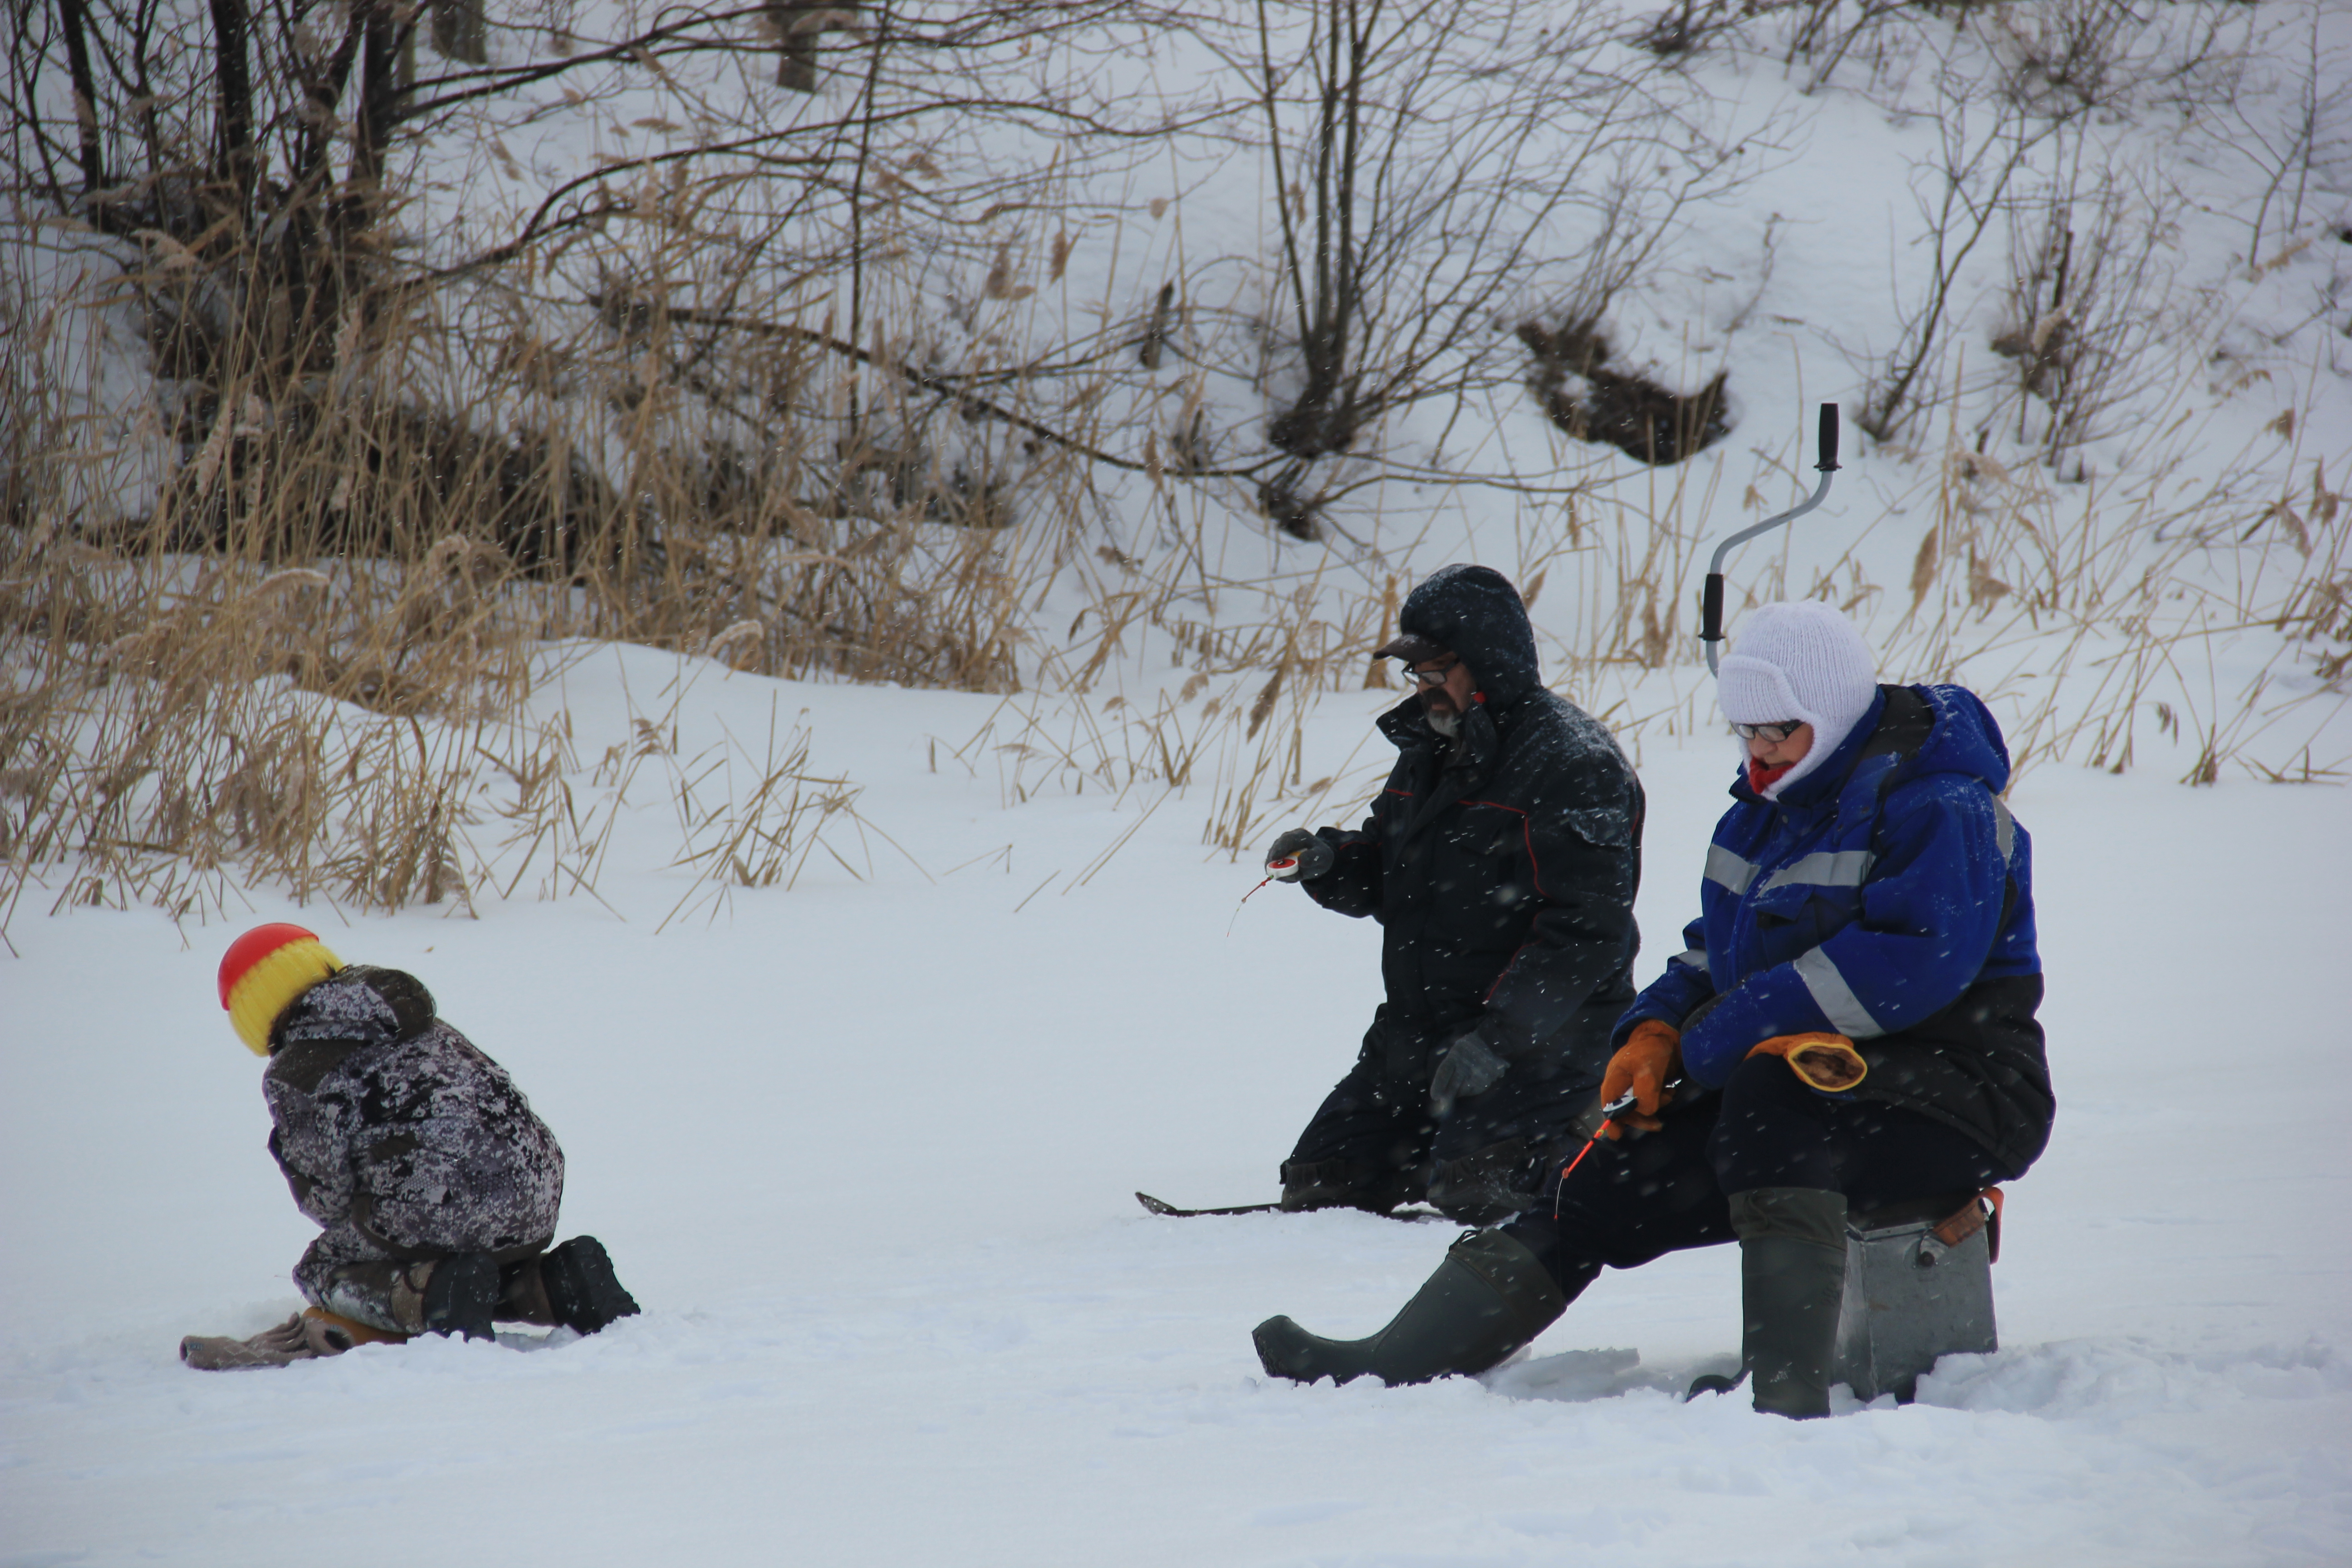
582 1293
462 1295
1488 1298
522 1293
1792 1284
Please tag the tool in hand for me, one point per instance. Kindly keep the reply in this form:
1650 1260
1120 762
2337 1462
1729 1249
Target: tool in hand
1282 870
1609 1112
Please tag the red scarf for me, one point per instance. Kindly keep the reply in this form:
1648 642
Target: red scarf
1761 778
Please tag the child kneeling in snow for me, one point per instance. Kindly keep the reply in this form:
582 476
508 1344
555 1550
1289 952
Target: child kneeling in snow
437 1186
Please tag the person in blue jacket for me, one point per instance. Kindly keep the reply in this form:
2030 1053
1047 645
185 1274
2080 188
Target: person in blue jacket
1850 1025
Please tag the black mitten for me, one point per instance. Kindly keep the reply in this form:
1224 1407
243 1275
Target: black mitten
1470 1067
1297 856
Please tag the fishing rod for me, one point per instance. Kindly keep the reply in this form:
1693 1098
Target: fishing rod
1710 620
1629 1100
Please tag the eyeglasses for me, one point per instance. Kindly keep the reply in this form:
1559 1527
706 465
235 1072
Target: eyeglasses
1422 680
1779 732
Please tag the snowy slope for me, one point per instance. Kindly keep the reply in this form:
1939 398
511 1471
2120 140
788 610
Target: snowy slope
864 1151
2212 172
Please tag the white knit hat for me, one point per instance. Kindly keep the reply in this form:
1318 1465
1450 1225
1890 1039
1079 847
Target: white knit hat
1799 660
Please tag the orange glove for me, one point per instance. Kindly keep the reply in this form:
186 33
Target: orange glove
1826 1062
1651 1055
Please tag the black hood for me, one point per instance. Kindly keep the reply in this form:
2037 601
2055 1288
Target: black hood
1475 612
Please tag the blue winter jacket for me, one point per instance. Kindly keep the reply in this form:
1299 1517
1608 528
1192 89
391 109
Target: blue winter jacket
1887 896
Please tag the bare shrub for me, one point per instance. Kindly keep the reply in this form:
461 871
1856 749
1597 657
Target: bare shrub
2090 306
2068 55
1962 197
1424 158
2311 139
1687 26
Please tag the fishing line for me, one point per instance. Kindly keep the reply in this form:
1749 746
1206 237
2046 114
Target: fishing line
1273 870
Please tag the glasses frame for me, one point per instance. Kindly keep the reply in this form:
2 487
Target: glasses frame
1778 729
1425 679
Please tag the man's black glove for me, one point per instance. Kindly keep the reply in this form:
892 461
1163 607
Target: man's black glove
1297 856
1470 1067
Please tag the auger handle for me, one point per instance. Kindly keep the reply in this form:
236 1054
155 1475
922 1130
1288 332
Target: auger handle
1710 613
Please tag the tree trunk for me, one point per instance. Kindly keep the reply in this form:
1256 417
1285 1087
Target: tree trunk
379 102
234 75
70 13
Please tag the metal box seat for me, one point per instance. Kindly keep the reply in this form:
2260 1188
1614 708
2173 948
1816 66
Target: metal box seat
1918 1285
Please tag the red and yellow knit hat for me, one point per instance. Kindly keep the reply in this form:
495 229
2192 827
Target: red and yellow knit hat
264 971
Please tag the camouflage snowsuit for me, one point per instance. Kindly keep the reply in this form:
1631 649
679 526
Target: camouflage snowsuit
404 1142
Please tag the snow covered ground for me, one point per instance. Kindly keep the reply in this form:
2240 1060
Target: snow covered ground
865 1149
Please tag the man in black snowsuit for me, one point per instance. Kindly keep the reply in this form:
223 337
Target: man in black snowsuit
436 1186
1501 860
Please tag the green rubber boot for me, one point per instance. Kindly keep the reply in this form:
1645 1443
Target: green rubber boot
1792 1284
1488 1298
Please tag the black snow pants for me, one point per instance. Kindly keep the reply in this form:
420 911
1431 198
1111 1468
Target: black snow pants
1640 1197
1377 1131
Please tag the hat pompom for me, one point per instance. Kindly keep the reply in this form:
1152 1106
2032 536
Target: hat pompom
262 973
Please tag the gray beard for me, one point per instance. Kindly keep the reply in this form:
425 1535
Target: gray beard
1448 723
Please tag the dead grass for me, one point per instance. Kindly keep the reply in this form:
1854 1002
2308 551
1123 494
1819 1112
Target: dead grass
300 662
2180 600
